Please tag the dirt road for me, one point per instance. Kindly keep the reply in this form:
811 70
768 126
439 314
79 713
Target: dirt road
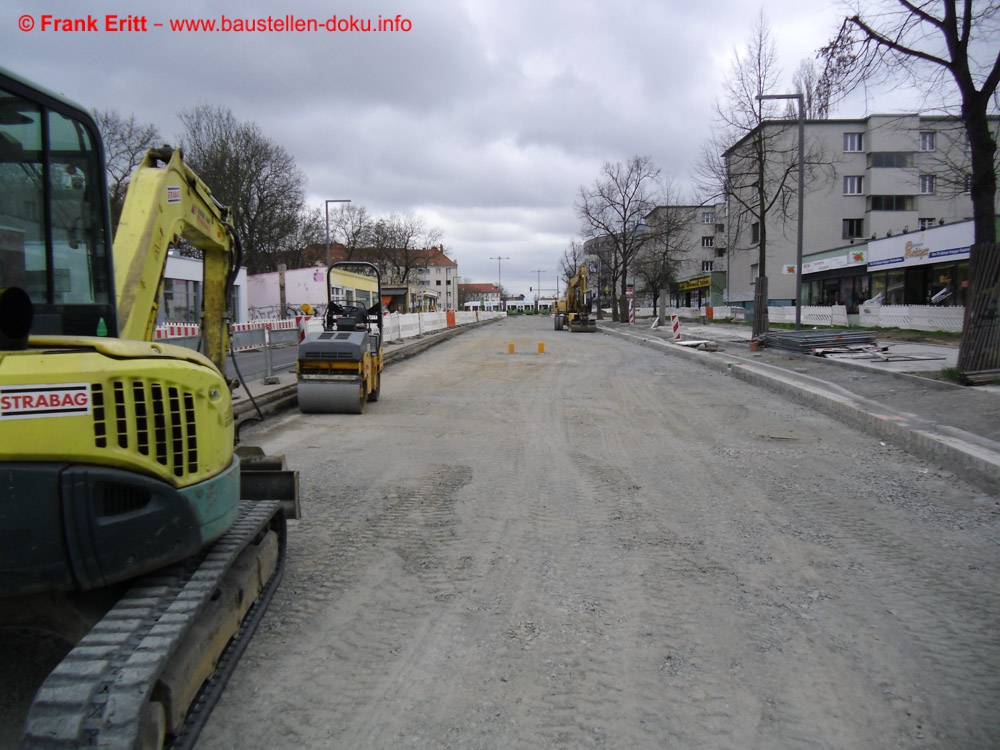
605 546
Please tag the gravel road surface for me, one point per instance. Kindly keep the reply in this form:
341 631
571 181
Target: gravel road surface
605 546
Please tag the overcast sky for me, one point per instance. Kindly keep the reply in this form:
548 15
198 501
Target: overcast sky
485 117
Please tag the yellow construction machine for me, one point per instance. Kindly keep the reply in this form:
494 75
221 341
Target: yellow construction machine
340 367
573 310
127 526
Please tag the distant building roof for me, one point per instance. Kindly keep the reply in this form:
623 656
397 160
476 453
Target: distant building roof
478 288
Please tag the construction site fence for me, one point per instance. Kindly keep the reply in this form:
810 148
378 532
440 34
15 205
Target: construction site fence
261 333
909 317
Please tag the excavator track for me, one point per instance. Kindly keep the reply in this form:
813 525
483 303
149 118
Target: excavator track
105 692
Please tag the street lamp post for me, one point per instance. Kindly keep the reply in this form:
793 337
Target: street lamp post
798 250
538 288
499 280
328 202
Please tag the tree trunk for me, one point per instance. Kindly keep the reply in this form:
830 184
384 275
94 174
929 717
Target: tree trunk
980 348
760 322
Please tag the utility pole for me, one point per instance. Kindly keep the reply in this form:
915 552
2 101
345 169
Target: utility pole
499 281
538 288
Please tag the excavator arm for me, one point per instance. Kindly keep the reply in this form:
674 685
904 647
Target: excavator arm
167 201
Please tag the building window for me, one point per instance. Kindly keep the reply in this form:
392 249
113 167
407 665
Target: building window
854 185
708 217
928 141
853 141
720 228
927 184
720 252
708 241
890 203
706 265
853 228
927 223
891 159
755 232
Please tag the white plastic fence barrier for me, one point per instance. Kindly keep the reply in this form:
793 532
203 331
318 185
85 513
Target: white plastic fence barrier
397 327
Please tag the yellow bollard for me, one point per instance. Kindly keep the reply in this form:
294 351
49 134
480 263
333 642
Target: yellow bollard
510 348
541 347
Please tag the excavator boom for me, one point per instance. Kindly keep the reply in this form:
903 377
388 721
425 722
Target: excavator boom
167 201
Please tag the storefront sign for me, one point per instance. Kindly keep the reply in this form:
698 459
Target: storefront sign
918 248
853 257
701 281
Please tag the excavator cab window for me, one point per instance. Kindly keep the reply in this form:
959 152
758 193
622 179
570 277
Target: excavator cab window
54 240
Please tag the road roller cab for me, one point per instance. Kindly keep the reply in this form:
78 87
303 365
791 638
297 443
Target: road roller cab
340 368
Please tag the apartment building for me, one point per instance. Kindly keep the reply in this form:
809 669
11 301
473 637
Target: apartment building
439 273
480 296
698 242
867 179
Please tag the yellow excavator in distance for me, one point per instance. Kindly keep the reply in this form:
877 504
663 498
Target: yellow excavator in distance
573 310
128 525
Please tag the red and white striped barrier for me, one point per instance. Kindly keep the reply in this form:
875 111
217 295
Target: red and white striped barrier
675 324
173 330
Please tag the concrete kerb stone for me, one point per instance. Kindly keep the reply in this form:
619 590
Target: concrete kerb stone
958 452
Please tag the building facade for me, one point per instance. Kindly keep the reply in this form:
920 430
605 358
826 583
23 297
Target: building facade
867 179
439 274
698 242
480 296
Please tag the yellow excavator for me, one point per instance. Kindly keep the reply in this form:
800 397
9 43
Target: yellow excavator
573 310
130 526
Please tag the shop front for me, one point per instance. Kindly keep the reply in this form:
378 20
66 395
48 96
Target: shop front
928 267
703 290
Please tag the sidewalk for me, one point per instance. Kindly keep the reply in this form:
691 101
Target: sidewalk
954 426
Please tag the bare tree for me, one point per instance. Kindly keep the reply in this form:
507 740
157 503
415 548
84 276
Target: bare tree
126 141
656 264
351 227
253 175
614 208
754 171
573 257
953 50
806 81
311 232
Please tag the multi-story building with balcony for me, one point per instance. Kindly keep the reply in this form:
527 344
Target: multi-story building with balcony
867 179
697 240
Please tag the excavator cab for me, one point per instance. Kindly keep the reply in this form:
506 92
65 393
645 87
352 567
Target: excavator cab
54 225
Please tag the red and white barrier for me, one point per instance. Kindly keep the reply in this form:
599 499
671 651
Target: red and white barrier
675 324
175 330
